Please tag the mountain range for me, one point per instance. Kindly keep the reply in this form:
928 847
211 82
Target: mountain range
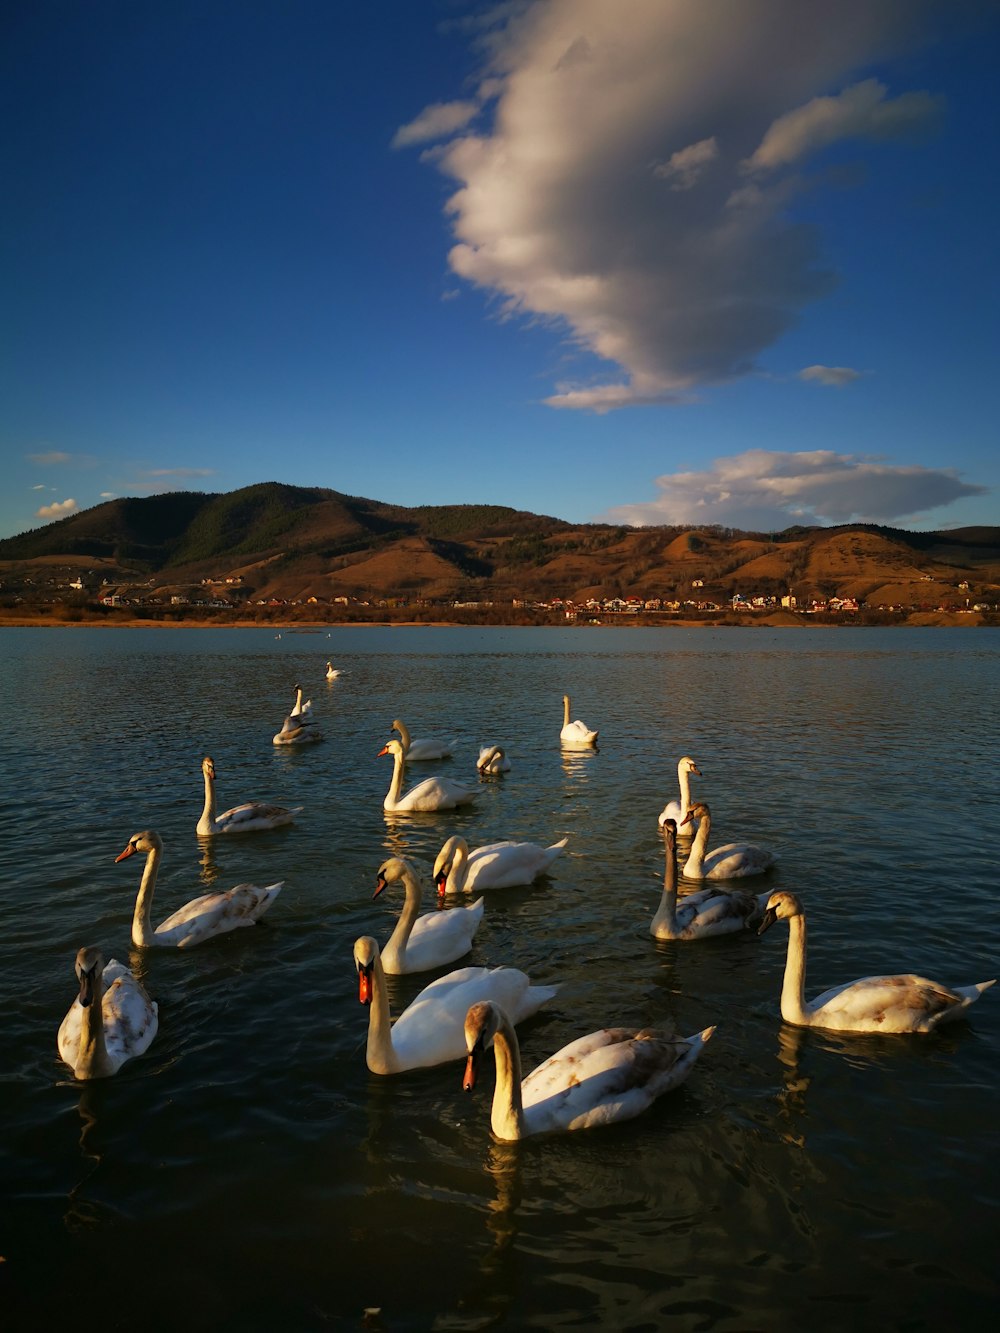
295 542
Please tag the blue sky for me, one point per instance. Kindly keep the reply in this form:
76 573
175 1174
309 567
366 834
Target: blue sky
649 260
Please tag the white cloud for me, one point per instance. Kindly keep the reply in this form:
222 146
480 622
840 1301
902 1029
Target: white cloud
109 495
859 112
761 490
836 377
57 510
557 210
51 459
436 122
39 487
686 165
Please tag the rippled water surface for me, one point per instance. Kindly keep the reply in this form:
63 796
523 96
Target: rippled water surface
248 1172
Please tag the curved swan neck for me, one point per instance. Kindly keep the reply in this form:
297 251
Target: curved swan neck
143 933
507 1115
381 1057
396 785
666 913
455 882
793 988
565 710
684 781
207 819
395 947
404 733
696 856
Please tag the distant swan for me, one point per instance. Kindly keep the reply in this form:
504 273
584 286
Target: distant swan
609 1075
707 912
498 865
733 860
575 735
331 671
892 1004
248 818
428 747
431 1030
201 918
677 810
493 759
422 942
111 1020
429 795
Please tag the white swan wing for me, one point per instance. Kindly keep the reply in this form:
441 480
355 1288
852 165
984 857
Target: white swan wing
429 747
438 938
736 860
504 865
577 733
216 913
254 815
901 1003
435 794
610 1075
130 1019
716 913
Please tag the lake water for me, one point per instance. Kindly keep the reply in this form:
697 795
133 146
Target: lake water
248 1172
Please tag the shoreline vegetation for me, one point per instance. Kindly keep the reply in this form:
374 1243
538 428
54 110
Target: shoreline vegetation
61 616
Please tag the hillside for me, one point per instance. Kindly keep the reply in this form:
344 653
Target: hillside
291 543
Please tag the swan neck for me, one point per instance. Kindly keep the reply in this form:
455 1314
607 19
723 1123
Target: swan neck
143 933
565 710
92 1056
793 988
395 948
696 857
684 780
507 1116
206 822
396 785
380 1055
404 735
665 919
459 871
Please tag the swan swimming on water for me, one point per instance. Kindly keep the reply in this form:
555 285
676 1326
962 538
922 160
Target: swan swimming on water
706 912
678 810
429 795
298 727
430 1031
890 1004
251 817
733 860
610 1075
331 671
424 748
498 865
419 943
111 1020
201 918
492 760
575 735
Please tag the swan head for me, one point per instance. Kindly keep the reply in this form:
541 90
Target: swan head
698 811
445 861
494 752
687 765
390 872
482 1023
391 747
669 830
147 842
780 907
208 767
365 958
89 966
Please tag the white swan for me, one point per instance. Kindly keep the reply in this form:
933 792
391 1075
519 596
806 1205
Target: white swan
575 735
331 671
677 810
422 942
493 759
706 912
733 860
300 709
248 818
428 747
613 1074
498 865
431 1030
893 1004
111 1020
431 794
201 918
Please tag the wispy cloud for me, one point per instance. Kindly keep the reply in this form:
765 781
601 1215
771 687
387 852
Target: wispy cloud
761 490
836 377
436 122
57 510
179 472
109 495
39 487
51 459
679 273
